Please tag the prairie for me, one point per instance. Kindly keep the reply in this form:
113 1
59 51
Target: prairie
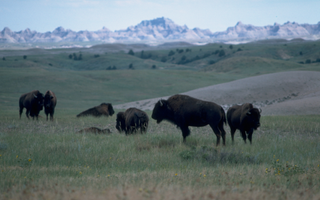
49 160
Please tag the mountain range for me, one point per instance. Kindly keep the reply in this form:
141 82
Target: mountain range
164 29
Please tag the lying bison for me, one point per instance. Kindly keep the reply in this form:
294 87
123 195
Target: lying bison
50 102
132 120
33 102
95 130
105 109
186 111
245 118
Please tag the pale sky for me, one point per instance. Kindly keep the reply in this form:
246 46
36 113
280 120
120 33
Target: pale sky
92 15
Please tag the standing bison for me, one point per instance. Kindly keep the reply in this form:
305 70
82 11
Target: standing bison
186 111
132 120
105 109
33 102
245 118
50 102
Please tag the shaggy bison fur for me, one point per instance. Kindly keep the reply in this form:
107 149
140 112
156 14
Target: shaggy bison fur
104 109
50 102
244 117
33 102
132 120
185 111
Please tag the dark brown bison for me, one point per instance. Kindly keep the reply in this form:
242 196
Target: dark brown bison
50 102
185 111
105 109
95 130
33 102
132 120
246 118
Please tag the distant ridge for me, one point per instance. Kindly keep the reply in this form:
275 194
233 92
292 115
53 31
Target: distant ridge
165 30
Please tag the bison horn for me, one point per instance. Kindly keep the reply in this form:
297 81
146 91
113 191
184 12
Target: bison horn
260 111
249 113
35 96
161 104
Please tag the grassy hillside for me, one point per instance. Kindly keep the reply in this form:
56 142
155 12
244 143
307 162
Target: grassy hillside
103 75
83 89
48 160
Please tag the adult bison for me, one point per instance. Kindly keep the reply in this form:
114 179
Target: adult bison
50 102
244 117
33 102
185 111
105 109
132 120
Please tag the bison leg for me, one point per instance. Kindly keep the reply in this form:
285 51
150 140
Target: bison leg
20 111
232 135
217 132
250 135
27 113
244 136
185 132
223 133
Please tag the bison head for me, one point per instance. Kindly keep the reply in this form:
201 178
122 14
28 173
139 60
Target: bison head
39 100
47 100
253 118
161 111
109 108
120 126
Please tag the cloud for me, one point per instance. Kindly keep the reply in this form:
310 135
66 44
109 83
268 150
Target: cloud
72 3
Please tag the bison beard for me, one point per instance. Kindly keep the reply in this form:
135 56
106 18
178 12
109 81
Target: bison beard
105 109
132 120
50 102
33 102
185 111
245 118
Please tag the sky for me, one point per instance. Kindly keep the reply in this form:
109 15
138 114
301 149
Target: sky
92 15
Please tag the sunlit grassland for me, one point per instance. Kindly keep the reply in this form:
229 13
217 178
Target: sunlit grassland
49 160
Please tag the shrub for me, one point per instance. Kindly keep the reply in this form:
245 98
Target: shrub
171 53
222 53
131 52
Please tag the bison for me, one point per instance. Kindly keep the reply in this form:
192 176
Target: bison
132 120
95 130
33 102
185 111
50 102
244 117
105 109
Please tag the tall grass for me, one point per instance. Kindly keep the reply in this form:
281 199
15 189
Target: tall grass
43 160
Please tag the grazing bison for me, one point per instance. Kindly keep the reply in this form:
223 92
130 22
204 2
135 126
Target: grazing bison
33 102
105 109
50 102
186 111
131 120
245 118
95 130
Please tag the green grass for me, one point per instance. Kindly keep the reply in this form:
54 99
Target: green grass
51 156
48 160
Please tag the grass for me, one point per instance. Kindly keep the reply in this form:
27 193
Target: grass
49 160
41 159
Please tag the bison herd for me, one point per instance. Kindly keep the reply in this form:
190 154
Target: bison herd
181 110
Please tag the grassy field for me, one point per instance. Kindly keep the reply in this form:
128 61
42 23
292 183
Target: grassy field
49 160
